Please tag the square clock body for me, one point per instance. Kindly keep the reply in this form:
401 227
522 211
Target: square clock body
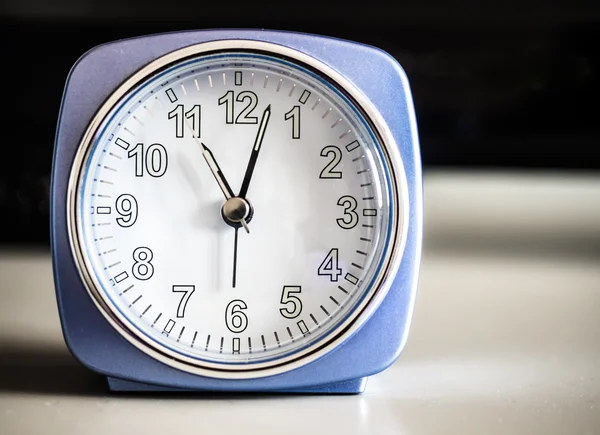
236 211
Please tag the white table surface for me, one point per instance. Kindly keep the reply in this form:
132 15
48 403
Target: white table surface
505 338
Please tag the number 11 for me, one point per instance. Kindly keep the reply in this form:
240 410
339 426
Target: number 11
194 114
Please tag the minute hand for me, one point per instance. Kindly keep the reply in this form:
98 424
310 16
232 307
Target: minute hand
255 150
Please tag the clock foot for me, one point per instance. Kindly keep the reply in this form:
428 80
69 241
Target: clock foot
122 385
354 386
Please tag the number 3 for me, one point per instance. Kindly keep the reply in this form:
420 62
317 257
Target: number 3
350 218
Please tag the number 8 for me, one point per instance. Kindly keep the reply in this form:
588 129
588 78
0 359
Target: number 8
142 268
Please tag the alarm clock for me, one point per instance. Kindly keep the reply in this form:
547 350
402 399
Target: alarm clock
236 210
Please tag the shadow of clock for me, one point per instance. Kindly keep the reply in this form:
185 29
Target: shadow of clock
56 372
46 371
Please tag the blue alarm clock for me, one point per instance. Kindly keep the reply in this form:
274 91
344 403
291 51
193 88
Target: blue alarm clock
236 210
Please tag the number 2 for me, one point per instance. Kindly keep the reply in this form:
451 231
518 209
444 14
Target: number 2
329 170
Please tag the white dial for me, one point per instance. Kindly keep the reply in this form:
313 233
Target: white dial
234 209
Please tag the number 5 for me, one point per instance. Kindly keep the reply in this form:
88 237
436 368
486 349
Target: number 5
293 305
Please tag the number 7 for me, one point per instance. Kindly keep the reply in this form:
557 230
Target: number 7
187 291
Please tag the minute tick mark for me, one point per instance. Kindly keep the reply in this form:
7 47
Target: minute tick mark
336 123
146 310
156 320
343 135
314 319
290 334
126 290
135 300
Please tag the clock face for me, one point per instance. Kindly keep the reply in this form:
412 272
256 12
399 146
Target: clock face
234 210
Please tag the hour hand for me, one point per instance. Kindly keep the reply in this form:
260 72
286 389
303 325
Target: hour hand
216 171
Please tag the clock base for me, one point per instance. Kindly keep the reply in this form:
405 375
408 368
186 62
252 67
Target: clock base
353 386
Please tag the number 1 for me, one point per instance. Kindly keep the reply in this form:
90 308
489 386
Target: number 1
294 115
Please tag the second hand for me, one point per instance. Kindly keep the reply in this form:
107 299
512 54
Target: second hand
235 248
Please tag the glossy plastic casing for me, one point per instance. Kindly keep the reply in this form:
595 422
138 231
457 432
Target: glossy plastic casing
89 336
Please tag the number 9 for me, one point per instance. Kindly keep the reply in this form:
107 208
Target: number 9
127 207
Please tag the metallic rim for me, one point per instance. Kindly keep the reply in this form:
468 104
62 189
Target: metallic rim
381 283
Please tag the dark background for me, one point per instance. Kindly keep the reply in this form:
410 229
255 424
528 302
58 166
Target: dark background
512 86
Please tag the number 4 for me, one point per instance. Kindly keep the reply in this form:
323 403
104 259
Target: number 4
330 266
187 291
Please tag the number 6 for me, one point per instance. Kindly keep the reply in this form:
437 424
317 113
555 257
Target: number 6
235 318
